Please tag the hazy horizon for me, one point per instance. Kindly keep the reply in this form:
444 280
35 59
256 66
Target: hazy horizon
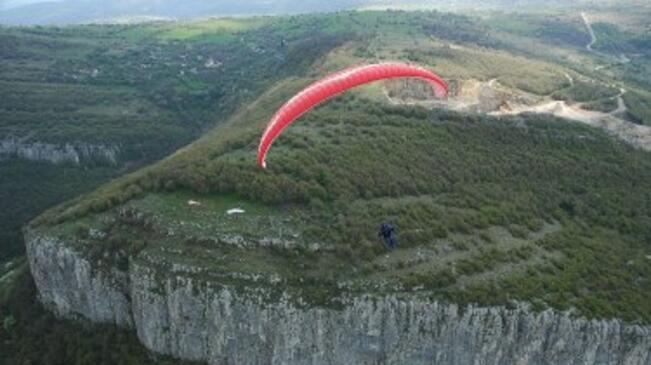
60 12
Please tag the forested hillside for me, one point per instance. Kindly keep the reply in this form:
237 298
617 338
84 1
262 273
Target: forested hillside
459 186
139 91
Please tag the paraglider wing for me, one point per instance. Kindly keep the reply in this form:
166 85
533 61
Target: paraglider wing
335 84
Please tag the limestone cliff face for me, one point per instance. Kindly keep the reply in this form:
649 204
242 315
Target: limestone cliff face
182 312
71 286
75 153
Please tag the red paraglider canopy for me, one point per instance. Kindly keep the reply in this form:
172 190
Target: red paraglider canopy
335 84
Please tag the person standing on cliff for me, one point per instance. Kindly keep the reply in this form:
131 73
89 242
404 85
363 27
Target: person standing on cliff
387 234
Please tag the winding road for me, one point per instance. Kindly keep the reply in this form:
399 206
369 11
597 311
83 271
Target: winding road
621 105
637 135
593 37
612 121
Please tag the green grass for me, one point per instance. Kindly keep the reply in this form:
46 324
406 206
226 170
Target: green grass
612 39
174 211
585 91
602 105
222 30
639 106
556 28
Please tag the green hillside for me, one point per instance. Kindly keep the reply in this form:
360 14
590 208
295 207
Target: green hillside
489 210
145 89
150 89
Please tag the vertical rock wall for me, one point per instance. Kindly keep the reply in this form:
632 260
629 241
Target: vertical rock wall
179 314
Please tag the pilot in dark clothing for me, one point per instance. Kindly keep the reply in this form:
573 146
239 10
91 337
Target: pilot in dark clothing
387 234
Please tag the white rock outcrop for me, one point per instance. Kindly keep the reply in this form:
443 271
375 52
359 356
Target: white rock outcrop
59 153
188 316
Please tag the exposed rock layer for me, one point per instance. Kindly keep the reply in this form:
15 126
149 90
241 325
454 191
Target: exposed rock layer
180 313
75 153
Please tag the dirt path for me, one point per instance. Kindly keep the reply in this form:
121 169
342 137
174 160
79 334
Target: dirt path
7 276
621 105
593 37
637 135
492 82
10 268
492 98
